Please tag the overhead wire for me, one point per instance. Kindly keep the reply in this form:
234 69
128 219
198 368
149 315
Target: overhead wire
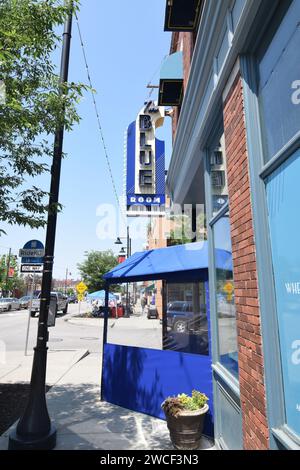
106 154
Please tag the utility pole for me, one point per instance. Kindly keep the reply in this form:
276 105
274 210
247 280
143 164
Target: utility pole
35 430
7 272
66 281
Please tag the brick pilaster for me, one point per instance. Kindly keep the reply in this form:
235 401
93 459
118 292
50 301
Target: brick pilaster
251 363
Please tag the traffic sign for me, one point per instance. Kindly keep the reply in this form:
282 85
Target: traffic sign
80 297
31 268
81 288
32 252
228 288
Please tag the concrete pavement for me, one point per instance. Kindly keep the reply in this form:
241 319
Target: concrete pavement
83 422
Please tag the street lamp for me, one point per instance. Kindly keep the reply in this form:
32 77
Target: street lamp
35 430
128 247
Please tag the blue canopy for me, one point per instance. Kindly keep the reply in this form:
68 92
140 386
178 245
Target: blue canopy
180 263
100 294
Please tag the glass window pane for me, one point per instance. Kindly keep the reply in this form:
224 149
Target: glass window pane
279 87
218 176
226 315
283 196
142 326
186 318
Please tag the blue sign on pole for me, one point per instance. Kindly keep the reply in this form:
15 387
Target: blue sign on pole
33 245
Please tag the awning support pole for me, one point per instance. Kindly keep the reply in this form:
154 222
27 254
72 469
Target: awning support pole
106 312
105 325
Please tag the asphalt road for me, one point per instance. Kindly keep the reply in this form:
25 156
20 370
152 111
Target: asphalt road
74 333
64 335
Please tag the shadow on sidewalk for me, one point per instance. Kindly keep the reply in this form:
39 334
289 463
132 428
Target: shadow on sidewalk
84 422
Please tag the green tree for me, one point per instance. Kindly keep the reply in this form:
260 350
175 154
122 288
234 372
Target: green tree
94 266
31 105
15 281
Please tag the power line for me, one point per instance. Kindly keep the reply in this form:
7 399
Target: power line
98 116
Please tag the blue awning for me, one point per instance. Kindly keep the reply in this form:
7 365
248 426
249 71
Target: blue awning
181 263
100 294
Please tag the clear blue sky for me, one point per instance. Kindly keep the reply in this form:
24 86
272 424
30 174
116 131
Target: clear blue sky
125 44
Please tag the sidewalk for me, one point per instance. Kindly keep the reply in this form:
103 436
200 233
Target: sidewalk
84 422
17 368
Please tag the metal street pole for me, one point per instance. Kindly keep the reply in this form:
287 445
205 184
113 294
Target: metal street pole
7 272
35 430
29 313
127 286
66 281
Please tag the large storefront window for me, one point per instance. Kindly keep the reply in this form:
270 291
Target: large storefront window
279 96
226 315
283 198
279 87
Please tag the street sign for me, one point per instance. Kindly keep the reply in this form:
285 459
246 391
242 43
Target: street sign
80 297
31 268
32 252
81 288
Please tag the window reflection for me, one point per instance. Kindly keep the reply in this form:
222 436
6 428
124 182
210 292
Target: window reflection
226 313
218 176
186 324
279 84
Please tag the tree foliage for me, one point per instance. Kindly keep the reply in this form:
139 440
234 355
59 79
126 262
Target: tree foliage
94 266
34 104
10 284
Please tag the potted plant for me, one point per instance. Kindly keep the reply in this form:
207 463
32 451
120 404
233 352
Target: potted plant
185 419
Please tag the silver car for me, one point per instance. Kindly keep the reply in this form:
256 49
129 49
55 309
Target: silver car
24 301
9 303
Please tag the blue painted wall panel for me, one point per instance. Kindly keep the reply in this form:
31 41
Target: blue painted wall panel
140 379
130 177
160 166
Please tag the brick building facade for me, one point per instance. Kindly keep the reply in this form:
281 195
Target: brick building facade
235 60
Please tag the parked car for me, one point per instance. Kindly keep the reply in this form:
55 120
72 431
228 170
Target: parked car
72 299
24 301
152 312
9 303
181 318
61 303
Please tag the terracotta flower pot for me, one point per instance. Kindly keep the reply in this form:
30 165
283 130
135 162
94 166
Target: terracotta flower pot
186 428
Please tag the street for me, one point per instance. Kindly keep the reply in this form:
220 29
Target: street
63 336
73 333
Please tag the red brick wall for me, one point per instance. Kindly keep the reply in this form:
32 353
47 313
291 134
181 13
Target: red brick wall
251 364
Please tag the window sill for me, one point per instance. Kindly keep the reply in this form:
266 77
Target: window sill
286 438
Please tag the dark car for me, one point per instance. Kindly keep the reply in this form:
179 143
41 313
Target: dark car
72 299
181 318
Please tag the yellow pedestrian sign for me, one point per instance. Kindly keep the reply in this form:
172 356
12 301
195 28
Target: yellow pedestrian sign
80 297
228 288
81 288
